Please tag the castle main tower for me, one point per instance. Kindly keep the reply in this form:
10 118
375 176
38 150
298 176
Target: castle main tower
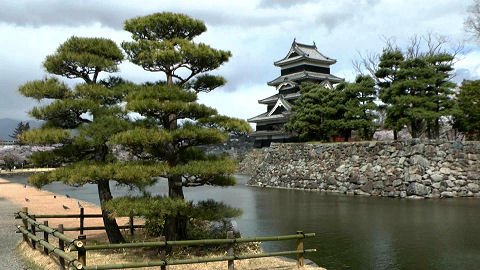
302 63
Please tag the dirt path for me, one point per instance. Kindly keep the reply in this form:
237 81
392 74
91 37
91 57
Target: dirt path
45 202
8 236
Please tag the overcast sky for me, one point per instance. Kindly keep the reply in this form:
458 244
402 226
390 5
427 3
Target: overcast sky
256 32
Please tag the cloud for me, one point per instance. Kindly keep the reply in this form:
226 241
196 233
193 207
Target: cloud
241 104
65 13
282 3
112 14
462 74
12 104
217 18
257 32
468 67
243 72
334 14
333 19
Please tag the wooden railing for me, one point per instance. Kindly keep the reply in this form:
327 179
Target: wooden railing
82 217
67 244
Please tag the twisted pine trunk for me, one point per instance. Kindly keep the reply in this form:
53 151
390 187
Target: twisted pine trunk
111 226
175 225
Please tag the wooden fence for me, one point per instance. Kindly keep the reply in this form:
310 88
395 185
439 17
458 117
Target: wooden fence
67 244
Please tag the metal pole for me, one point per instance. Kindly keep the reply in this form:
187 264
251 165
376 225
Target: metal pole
82 217
45 237
61 246
231 265
82 253
300 262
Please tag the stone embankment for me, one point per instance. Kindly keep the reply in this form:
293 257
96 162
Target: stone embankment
414 169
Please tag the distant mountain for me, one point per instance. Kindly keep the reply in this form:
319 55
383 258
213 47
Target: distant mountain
8 125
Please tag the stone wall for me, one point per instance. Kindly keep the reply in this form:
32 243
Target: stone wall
235 146
415 169
249 162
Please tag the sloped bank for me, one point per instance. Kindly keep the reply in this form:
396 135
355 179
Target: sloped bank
415 169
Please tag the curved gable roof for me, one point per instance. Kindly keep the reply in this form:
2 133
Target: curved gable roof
304 52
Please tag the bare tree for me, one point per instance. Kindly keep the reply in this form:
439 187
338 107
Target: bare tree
367 64
428 44
472 23
413 49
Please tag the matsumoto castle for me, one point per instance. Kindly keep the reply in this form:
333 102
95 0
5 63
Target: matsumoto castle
302 63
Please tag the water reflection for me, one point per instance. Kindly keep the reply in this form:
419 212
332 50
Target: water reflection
352 232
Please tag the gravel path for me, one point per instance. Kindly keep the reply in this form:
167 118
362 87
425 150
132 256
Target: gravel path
8 237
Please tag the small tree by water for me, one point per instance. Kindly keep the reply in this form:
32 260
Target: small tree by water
173 123
80 121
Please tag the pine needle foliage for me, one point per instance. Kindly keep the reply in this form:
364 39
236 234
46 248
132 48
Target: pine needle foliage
320 112
81 120
417 91
313 112
388 66
468 118
81 57
163 43
156 208
173 123
21 128
359 108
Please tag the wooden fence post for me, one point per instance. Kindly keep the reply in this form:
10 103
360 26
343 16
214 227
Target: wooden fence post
300 262
82 253
163 255
61 246
82 217
25 224
45 237
231 265
34 244
130 223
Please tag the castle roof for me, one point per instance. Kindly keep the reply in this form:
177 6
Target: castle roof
272 115
300 52
302 75
264 117
273 99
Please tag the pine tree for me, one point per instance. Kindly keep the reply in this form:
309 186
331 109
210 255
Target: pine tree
440 92
307 119
360 107
316 113
468 118
174 123
412 87
320 113
21 127
90 109
416 90
386 74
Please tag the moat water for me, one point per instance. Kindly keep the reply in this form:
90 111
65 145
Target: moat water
352 232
